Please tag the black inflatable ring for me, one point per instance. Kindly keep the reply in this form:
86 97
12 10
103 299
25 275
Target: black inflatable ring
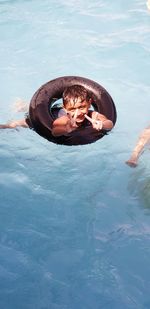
42 115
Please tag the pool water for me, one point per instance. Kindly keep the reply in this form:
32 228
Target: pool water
74 221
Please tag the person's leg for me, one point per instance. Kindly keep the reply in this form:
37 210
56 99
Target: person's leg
143 140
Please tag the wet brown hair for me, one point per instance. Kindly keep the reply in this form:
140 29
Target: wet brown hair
75 93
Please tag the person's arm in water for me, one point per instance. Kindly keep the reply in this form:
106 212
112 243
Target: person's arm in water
144 139
14 124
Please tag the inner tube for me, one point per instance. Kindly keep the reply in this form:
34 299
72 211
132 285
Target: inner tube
42 113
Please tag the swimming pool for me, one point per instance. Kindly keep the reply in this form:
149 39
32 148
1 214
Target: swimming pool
74 221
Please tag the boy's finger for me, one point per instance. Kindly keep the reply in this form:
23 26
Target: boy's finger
75 114
96 122
88 118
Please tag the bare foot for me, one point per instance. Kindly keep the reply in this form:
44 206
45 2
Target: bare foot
131 163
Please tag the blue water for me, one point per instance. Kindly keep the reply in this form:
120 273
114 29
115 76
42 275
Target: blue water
74 221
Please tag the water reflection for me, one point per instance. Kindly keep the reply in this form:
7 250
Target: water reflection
139 184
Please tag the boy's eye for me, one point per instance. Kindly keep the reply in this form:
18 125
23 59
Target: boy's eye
83 107
72 110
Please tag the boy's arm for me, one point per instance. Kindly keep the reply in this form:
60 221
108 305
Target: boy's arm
106 124
14 124
63 126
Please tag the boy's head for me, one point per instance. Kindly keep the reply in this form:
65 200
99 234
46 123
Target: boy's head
76 97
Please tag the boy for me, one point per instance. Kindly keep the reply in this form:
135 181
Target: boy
143 140
75 113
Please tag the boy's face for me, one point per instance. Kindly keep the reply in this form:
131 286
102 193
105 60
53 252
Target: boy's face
80 107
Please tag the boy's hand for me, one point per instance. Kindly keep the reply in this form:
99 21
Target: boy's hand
71 124
97 124
65 124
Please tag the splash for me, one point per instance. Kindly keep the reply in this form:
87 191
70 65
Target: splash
20 106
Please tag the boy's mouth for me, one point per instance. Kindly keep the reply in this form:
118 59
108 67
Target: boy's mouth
80 118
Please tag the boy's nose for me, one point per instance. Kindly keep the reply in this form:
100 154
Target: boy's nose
78 112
